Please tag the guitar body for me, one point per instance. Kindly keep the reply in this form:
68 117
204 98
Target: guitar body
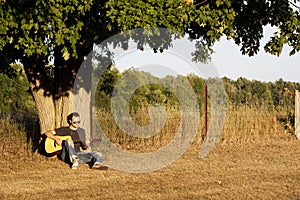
52 147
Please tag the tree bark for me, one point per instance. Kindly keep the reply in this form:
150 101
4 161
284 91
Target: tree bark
45 108
41 90
63 107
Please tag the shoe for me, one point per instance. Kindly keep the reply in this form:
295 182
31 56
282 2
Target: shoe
75 162
96 165
75 165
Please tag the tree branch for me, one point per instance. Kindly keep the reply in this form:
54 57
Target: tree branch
200 3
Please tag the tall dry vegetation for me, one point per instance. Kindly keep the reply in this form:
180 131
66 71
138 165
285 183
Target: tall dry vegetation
254 109
245 123
13 137
242 124
141 118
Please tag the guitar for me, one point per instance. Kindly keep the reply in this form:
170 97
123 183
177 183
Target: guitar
52 147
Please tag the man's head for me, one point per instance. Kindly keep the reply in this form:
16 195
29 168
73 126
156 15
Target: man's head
73 120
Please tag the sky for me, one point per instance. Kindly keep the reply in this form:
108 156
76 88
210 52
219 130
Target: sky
264 67
227 62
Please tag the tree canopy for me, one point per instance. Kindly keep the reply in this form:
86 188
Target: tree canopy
240 20
37 28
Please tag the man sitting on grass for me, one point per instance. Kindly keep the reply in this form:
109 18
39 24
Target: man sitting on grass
71 149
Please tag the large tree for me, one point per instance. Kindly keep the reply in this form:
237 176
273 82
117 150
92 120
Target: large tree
36 31
31 31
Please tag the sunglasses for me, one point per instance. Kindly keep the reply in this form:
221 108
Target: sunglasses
76 122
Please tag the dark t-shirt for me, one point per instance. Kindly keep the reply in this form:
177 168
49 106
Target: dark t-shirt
78 136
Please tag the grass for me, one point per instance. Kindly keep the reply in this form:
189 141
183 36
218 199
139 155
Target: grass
140 117
247 122
258 171
262 164
13 137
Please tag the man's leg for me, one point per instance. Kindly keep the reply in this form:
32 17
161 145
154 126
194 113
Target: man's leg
68 154
92 158
98 161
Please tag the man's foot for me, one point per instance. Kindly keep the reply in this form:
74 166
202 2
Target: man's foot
100 166
96 165
75 162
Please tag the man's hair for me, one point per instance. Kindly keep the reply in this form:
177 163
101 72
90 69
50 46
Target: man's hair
69 117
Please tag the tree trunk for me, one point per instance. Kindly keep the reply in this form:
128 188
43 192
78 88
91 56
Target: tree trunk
63 107
45 108
41 90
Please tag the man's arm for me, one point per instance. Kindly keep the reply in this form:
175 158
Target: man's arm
51 135
84 145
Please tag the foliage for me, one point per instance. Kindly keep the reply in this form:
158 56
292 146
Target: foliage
146 90
31 24
243 21
37 28
258 94
14 92
105 87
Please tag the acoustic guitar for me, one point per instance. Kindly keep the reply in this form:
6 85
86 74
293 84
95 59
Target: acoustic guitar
52 147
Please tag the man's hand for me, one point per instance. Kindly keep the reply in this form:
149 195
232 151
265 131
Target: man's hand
51 135
58 141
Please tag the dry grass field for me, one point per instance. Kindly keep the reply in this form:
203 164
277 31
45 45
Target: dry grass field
241 166
262 168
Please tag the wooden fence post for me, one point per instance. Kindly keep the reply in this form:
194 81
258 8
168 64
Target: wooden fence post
297 114
205 113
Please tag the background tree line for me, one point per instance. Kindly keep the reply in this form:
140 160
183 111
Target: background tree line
241 92
16 95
